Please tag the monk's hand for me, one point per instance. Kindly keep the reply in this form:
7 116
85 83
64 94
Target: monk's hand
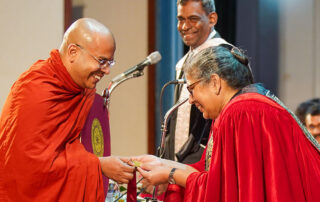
117 169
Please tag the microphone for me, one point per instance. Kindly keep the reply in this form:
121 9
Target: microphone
153 58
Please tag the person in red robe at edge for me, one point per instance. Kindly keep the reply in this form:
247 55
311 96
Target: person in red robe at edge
257 151
41 157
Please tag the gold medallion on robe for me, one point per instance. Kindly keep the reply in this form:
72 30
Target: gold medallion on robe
97 138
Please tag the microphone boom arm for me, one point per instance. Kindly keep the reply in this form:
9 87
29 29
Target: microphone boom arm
106 93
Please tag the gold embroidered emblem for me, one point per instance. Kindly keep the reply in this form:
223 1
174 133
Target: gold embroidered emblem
209 152
97 138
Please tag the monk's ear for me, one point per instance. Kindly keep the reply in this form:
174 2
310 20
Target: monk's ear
215 83
72 52
213 19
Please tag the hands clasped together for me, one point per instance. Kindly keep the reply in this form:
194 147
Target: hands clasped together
154 170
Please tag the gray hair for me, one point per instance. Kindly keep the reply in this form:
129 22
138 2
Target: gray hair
231 65
207 5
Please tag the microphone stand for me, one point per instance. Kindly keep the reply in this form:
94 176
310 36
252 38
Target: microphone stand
164 132
106 93
164 124
134 72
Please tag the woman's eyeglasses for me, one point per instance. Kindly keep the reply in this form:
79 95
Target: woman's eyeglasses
192 86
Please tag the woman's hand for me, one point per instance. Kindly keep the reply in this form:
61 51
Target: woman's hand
156 176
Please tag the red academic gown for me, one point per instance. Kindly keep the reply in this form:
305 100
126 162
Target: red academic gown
259 154
41 157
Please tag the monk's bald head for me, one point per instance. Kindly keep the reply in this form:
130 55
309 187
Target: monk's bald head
86 31
87 51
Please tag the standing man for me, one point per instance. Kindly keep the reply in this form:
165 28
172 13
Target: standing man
41 157
188 130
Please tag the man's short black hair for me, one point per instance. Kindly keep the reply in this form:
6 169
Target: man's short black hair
303 108
314 109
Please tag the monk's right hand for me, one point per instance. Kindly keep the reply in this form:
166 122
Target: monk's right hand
116 169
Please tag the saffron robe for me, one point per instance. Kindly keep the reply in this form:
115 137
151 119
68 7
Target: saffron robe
259 153
41 157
